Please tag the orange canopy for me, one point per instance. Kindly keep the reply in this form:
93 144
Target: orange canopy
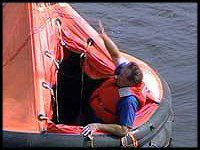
31 52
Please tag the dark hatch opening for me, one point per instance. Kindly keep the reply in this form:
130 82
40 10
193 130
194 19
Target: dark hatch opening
69 98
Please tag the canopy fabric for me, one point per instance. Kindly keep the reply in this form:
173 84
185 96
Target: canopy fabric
75 33
19 111
31 48
29 33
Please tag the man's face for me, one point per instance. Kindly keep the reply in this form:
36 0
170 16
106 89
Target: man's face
122 80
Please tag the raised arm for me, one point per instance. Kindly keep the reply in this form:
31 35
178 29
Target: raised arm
110 46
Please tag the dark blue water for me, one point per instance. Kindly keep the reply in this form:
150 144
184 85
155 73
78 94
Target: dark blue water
164 35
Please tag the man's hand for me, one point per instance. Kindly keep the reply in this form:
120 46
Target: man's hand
101 28
89 129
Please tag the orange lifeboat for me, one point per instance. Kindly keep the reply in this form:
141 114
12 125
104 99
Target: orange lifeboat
52 61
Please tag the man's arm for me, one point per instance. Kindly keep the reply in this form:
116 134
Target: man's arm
115 129
110 46
112 128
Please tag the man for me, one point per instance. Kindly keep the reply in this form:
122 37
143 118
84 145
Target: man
115 102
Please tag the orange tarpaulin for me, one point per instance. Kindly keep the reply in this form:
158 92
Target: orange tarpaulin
31 49
19 106
28 34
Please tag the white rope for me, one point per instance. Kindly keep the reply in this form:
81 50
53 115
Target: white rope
46 85
47 53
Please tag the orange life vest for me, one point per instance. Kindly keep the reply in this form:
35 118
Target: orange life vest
104 100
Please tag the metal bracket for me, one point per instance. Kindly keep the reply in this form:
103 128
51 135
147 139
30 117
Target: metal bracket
41 117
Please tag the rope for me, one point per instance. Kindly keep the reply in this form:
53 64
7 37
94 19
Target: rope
48 54
58 23
126 143
54 96
45 85
82 57
90 140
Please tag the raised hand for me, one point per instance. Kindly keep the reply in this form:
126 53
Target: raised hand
101 28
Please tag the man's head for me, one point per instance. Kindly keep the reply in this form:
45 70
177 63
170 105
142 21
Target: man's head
130 75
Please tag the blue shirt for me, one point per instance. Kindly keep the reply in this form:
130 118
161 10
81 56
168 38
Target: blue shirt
126 110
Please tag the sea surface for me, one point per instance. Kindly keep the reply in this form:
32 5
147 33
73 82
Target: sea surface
165 36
